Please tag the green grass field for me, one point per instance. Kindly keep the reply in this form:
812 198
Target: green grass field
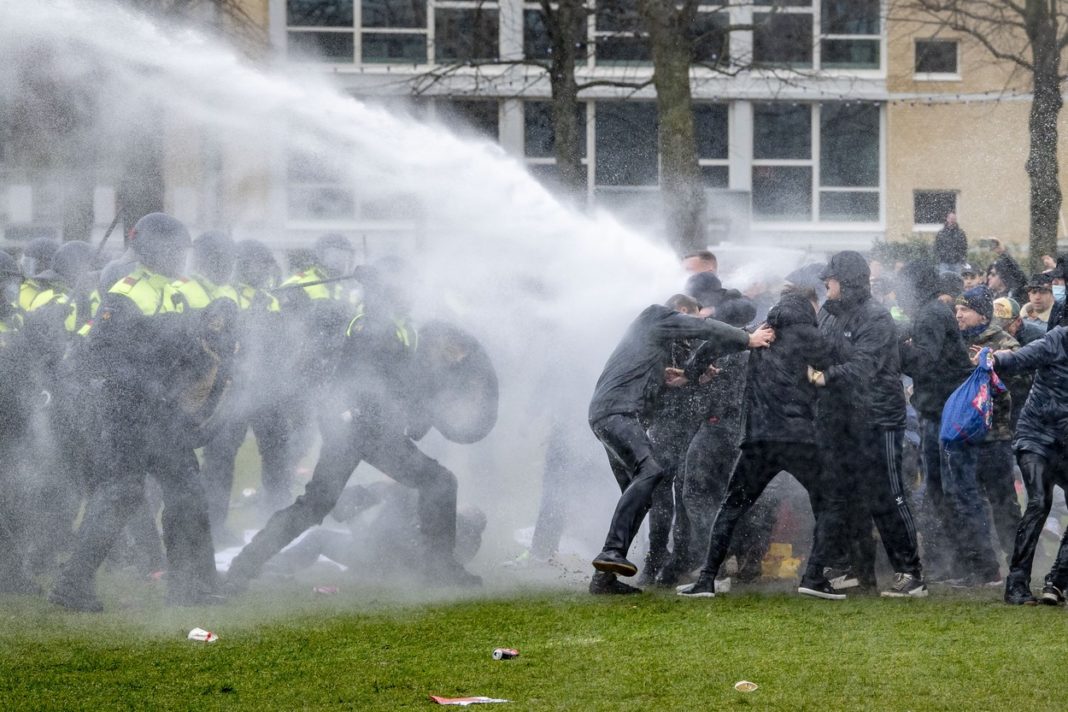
287 648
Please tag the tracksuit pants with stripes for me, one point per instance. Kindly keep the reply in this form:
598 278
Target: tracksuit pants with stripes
866 463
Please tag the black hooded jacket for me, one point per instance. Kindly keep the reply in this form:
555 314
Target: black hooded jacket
1043 424
634 374
780 400
934 354
864 384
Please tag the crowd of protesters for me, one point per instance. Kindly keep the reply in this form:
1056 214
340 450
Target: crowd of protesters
840 381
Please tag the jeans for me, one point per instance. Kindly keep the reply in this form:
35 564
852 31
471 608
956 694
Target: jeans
961 487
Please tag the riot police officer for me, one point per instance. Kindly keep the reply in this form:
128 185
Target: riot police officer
366 419
159 373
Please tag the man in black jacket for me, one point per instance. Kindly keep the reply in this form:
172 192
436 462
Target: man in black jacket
862 419
780 434
933 354
625 395
1042 452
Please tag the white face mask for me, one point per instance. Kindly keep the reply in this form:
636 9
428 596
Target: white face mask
1058 292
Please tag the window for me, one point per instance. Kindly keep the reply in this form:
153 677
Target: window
317 187
626 144
619 39
783 38
536 42
710 129
818 34
465 32
849 34
711 40
398 31
936 57
539 139
816 162
849 162
393 31
479 115
930 207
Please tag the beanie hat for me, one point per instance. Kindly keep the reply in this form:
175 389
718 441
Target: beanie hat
978 299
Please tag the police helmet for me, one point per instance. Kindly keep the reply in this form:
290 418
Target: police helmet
254 264
334 253
213 256
37 255
160 243
70 263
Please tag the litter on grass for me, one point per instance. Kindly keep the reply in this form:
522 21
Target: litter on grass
745 686
325 590
205 636
465 701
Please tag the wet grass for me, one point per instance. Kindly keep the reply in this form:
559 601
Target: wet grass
287 648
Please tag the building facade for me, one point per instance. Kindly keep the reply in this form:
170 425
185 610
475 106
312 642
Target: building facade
819 124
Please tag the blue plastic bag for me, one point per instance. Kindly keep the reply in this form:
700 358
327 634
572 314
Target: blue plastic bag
969 410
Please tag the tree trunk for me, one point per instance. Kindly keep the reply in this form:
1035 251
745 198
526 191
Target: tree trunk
1045 108
680 175
565 24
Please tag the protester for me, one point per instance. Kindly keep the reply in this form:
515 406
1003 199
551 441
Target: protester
950 246
625 394
983 468
933 354
862 419
1040 300
1041 448
780 435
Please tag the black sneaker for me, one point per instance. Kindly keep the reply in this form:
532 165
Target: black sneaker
614 563
74 600
1018 593
605 584
821 588
841 579
906 586
703 587
1051 595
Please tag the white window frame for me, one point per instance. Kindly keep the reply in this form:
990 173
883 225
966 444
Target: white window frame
815 9
936 76
932 227
813 162
358 31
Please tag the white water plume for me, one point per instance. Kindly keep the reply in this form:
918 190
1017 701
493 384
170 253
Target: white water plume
547 288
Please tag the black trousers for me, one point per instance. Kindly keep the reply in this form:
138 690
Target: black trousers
710 462
272 430
998 484
1040 475
637 473
864 465
758 465
345 444
128 452
669 520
